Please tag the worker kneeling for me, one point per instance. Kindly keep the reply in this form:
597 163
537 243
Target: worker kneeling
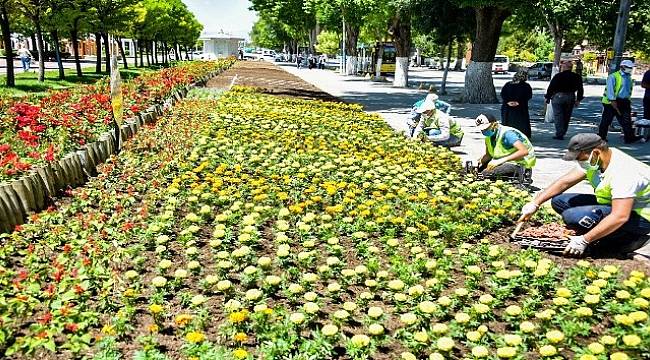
436 126
508 152
612 220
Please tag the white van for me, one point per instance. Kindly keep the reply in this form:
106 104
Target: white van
500 64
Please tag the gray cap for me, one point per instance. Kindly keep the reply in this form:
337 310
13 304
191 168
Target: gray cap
582 142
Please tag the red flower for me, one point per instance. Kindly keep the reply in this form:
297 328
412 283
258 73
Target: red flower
71 327
45 319
49 155
4 148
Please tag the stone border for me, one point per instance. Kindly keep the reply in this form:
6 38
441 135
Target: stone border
32 192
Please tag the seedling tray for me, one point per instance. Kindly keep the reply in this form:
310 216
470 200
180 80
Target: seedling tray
549 245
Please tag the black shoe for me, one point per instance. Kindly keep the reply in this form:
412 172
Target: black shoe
558 137
633 140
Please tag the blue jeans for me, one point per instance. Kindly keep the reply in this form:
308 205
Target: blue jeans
27 63
452 141
581 212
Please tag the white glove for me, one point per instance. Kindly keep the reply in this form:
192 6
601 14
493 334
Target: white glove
577 246
529 209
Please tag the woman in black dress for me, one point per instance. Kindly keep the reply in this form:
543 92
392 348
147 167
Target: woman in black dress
514 109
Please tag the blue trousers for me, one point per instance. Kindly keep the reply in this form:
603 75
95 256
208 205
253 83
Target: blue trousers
581 212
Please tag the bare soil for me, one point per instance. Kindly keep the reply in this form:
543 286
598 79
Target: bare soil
271 79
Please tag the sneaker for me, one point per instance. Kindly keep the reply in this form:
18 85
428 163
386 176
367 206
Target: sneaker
558 137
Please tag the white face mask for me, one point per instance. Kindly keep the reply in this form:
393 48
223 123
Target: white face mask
627 70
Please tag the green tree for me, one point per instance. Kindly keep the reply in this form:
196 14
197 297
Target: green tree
6 13
328 42
268 34
34 10
295 17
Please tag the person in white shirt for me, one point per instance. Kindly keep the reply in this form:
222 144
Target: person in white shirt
25 57
616 217
435 126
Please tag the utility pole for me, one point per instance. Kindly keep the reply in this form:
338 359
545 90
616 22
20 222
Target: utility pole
619 36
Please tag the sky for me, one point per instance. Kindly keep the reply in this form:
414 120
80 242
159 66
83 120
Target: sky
232 16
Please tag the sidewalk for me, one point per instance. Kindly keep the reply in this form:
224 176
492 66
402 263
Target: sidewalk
393 104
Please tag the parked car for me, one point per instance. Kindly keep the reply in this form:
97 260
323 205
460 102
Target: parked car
500 64
540 71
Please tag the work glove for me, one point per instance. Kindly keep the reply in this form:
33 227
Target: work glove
577 246
528 210
494 163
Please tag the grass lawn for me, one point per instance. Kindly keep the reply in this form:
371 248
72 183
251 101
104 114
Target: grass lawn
27 83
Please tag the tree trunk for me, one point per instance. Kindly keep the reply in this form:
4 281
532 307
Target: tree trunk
441 60
479 85
558 35
165 53
351 40
107 47
57 51
443 87
154 49
98 47
6 37
39 48
121 49
380 54
401 28
74 34
460 53
141 50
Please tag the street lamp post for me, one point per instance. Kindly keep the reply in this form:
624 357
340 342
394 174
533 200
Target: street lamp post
619 36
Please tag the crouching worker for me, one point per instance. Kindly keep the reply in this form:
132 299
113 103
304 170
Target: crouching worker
615 219
436 126
508 152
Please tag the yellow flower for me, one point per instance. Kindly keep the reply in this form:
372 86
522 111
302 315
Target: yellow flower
638 316
584 311
375 329
555 336
427 307
407 356
238 317
588 357
481 308
527 327
596 348
623 319
408 318
512 339
563 292
108 330
421 336
240 354
375 312
330 330
608 340
506 352
474 336
592 298
631 340
182 319
439 328
513 310
560 301
641 303
195 337
360 340
240 337
622 294
619 356
462 318
297 318
547 350
480 351
155 309
445 343
153 328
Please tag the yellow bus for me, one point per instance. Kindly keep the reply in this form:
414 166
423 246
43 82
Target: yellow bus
387 58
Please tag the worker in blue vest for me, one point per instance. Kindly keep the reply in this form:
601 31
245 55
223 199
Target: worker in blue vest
508 152
616 102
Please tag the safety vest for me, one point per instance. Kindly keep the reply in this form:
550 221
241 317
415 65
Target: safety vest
433 122
603 190
500 151
618 85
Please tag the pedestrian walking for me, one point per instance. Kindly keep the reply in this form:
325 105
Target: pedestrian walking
579 67
299 61
515 95
645 83
616 103
561 93
25 57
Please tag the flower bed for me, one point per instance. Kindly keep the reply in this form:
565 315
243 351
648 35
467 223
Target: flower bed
34 134
258 227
